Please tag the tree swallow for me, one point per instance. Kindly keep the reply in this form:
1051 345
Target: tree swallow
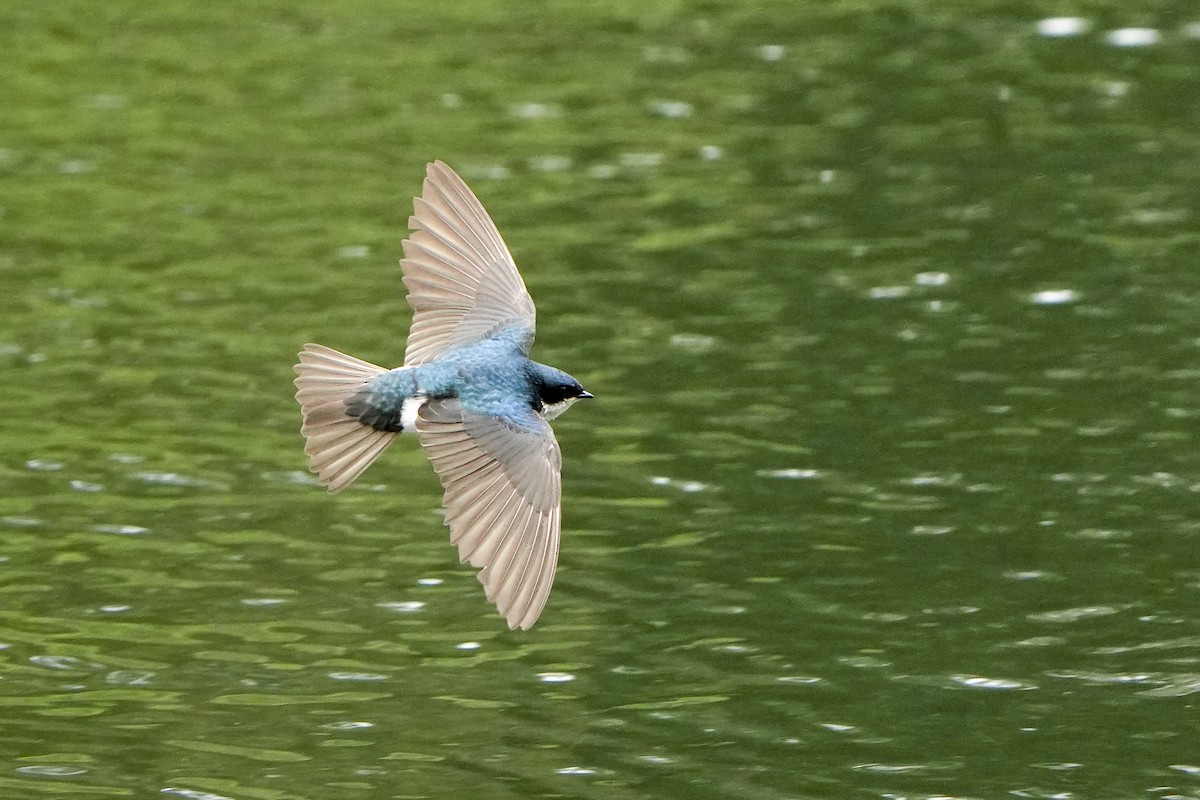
479 406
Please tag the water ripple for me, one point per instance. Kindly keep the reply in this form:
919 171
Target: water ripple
1069 615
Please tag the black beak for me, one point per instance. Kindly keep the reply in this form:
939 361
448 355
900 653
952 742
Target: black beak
585 395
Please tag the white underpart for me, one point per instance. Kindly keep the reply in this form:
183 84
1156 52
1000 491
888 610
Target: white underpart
408 411
550 412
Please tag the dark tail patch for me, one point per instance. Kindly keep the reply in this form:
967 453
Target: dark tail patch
360 406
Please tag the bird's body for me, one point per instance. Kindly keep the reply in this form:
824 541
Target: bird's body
493 376
468 388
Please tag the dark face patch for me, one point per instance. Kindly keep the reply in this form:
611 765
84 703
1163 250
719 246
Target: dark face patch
555 393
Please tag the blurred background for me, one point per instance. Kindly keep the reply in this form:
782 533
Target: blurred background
890 489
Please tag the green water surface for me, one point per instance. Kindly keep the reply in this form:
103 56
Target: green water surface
890 489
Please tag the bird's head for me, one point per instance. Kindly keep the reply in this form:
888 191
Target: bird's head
557 391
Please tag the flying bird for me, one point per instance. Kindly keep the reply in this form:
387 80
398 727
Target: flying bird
479 405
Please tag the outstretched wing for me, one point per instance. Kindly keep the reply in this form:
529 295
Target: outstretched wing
462 283
503 501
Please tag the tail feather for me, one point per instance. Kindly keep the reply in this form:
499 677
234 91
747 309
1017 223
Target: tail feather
339 447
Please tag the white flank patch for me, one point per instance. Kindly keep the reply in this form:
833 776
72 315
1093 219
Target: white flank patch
408 411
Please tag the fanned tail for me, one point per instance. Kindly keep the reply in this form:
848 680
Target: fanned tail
339 447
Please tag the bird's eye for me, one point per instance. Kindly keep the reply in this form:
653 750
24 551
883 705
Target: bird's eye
556 393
